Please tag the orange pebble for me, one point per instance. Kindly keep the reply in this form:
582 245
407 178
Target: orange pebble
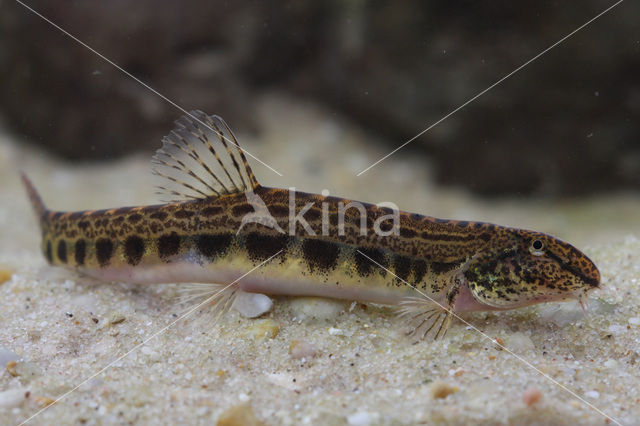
531 396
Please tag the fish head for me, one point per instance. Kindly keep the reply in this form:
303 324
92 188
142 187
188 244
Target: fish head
528 267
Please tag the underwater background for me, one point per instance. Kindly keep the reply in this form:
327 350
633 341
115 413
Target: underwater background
320 91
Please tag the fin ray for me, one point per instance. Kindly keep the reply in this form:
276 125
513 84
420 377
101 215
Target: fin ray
201 158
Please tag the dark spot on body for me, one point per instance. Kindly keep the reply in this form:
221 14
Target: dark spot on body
262 247
104 251
84 224
183 214
419 270
102 223
462 224
133 249
168 245
313 214
507 253
402 266
80 251
387 225
160 215
365 261
441 220
320 254
121 211
370 222
62 251
49 252
212 245
134 218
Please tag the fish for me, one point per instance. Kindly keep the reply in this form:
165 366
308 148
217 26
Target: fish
218 222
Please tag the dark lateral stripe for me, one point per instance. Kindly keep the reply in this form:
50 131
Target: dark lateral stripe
407 232
183 214
211 211
104 251
242 209
591 281
447 237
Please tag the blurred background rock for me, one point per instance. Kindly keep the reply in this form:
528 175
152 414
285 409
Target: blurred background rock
568 124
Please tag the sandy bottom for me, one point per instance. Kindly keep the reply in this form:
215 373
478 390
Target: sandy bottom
107 350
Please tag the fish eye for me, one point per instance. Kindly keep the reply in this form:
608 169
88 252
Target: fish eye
537 247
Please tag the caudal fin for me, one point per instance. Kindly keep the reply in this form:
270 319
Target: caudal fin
36 201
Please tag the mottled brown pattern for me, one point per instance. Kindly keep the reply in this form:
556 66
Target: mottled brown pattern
503 267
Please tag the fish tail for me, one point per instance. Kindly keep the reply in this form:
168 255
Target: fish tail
34 197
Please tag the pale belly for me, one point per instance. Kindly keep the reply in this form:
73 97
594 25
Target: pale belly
270 279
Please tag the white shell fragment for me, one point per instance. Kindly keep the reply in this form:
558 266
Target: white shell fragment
6 355
13 397
252 305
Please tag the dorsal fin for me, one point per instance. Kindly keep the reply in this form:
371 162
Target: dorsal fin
201 158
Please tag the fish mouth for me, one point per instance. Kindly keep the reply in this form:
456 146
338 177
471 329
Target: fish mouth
589 274
582 267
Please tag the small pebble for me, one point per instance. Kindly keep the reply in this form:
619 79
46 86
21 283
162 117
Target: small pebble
43 401
6 355
360 419
634 321
11 368
262 329
441 390
5 275
592 394
307 308
116 318
610 363
301 349
239 415
336 332
13 397
531 396
520 342
252 305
